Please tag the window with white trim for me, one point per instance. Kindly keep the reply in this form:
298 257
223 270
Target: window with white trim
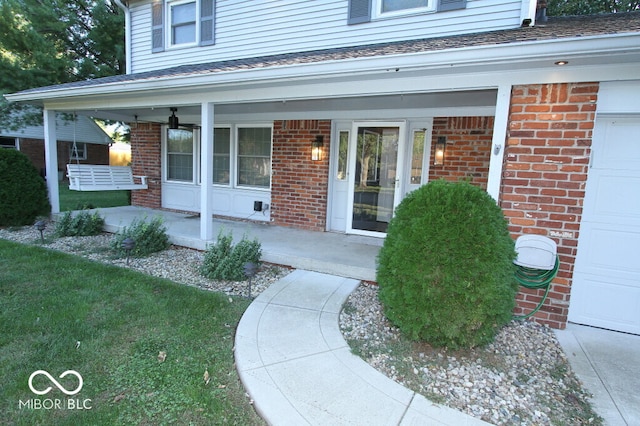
9 143
79 152
403 6
254 157
222 156
182 20
242 156
180 155
182 23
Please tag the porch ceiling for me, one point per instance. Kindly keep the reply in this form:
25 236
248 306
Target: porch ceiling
330 108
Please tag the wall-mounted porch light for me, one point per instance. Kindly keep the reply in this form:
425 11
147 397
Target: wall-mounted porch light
441 147
173 120
317 148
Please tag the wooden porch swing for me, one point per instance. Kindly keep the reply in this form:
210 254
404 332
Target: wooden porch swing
97 177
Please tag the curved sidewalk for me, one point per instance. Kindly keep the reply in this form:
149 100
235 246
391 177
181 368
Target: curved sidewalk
298 369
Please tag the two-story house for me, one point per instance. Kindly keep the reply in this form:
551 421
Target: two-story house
323 115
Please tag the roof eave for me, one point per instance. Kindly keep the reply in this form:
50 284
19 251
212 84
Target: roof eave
502 56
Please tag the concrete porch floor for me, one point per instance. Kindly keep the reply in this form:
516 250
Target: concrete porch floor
350 256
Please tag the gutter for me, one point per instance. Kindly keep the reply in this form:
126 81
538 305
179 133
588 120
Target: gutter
127 34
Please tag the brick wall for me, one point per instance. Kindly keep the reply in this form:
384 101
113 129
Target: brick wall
468 149
299 186
544 176
146 161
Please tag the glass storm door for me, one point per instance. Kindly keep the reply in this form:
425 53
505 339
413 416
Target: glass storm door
375 182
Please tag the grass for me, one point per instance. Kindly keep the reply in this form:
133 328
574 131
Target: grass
59 312
77 200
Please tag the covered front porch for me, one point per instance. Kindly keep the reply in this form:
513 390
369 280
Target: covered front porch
345 255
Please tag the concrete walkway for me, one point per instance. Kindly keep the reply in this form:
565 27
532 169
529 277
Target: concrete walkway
608 364
298 369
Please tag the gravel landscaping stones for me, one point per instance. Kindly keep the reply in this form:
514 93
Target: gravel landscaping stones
522 378
178 264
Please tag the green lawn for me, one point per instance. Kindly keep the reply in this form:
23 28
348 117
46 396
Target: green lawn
60 312
77 200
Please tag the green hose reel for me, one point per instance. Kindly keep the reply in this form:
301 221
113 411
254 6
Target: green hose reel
537 265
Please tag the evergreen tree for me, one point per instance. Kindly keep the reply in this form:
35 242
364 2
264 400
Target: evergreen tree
48 42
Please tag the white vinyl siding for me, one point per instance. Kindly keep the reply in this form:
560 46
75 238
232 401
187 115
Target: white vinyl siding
250 28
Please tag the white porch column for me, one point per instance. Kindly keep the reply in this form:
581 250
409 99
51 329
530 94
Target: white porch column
206 172
499 140
51 158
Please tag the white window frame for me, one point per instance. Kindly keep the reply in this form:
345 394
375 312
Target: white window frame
169 27
236 150
378 13
16 143
232 151
195 179
81 150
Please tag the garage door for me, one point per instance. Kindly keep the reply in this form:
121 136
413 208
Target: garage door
606 280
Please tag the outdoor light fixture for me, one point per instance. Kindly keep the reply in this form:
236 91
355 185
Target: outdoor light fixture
560 63
316 148
40 226
441 147
250 270
173 120
128 244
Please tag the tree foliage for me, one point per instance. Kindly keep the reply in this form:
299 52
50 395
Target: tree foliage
590 7
47 42
445 270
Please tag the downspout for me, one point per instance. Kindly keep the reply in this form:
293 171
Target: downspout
127 33
528 13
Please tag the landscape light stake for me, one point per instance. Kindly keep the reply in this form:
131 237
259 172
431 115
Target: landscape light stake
40 226
128 244
250 270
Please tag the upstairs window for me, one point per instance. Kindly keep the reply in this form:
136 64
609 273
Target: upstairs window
182 23
361 11
402 6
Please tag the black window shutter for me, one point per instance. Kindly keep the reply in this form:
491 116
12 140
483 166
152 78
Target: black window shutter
207 22
157 26
359 11
444 5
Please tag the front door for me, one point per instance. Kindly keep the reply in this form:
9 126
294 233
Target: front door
375 181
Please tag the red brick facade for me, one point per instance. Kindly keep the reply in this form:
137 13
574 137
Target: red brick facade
468 149
146 156
544 176
299 186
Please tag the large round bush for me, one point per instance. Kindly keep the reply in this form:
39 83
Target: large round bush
23 193
445 270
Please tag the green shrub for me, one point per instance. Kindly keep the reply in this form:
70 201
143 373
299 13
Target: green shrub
445 269
23 193
82 224
223 261
150 237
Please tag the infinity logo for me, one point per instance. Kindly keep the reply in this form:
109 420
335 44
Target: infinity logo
55 382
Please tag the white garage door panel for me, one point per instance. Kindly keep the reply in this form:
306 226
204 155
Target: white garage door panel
605 290
619 147
610 253
613 203
607 304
